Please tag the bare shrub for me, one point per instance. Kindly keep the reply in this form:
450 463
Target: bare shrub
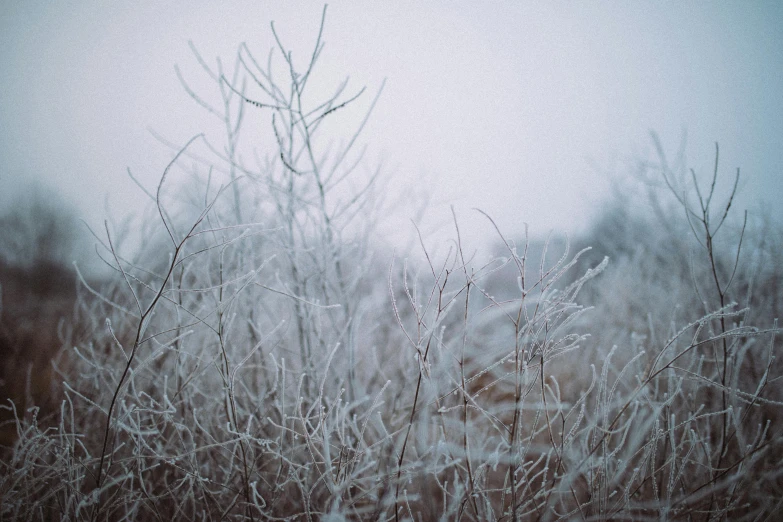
256 361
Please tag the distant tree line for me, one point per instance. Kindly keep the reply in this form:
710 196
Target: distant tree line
37 291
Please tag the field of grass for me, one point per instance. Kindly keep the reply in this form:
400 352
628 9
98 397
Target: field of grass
264 357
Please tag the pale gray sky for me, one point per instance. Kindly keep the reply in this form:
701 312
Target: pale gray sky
506 106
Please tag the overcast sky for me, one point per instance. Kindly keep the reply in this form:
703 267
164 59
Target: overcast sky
518 108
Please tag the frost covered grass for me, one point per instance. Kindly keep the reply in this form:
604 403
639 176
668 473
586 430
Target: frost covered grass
261 358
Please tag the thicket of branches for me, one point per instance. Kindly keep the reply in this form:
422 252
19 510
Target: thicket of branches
257 360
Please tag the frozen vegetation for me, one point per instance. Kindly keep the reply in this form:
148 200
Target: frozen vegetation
264 357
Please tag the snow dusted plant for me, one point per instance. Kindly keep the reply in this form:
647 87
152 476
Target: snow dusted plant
256 361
